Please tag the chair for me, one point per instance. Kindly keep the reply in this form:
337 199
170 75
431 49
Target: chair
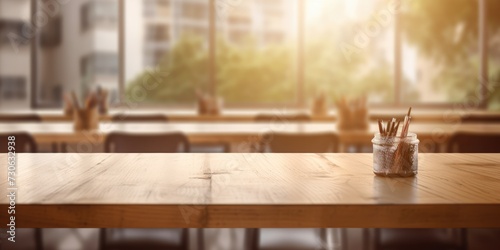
24 143
20 118
111 239
139 118
146 143
299 143
468 142
283 118
123 118
481 119
217 147
292 238
24 118
422 238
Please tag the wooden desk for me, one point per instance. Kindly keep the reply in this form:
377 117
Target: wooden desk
447 115
231 132
251 190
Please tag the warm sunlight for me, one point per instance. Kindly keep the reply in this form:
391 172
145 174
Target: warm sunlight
345 9
250 124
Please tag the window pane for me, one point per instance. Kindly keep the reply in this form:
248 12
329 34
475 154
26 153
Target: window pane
350 49
494 55
15 70
104 13
78 50
256 52
440 58
166 51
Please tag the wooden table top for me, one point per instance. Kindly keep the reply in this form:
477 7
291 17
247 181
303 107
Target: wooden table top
232 132
251 190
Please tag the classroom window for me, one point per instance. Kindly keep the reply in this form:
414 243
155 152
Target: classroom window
348 54
346 48
169 62
447 71
256 53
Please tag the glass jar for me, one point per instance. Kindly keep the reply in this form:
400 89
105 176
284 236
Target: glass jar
394 156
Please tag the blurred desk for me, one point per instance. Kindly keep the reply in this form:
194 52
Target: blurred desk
59 132
250 191
234 115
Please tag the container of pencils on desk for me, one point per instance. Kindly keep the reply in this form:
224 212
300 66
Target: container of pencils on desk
86 117
395 154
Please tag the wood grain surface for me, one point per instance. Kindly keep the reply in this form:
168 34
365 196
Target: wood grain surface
251 190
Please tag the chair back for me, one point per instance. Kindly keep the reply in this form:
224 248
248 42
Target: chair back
23 143
481 119
467 142
283 118
299 143
139 118
20 118
146 143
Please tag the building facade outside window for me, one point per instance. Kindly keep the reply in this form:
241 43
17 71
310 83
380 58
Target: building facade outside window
13 88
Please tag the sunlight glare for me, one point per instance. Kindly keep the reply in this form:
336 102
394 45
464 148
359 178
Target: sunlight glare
316 10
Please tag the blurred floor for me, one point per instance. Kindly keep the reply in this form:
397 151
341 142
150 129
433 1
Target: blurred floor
215 239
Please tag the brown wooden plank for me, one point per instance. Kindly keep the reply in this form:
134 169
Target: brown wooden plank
253 216
246 190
